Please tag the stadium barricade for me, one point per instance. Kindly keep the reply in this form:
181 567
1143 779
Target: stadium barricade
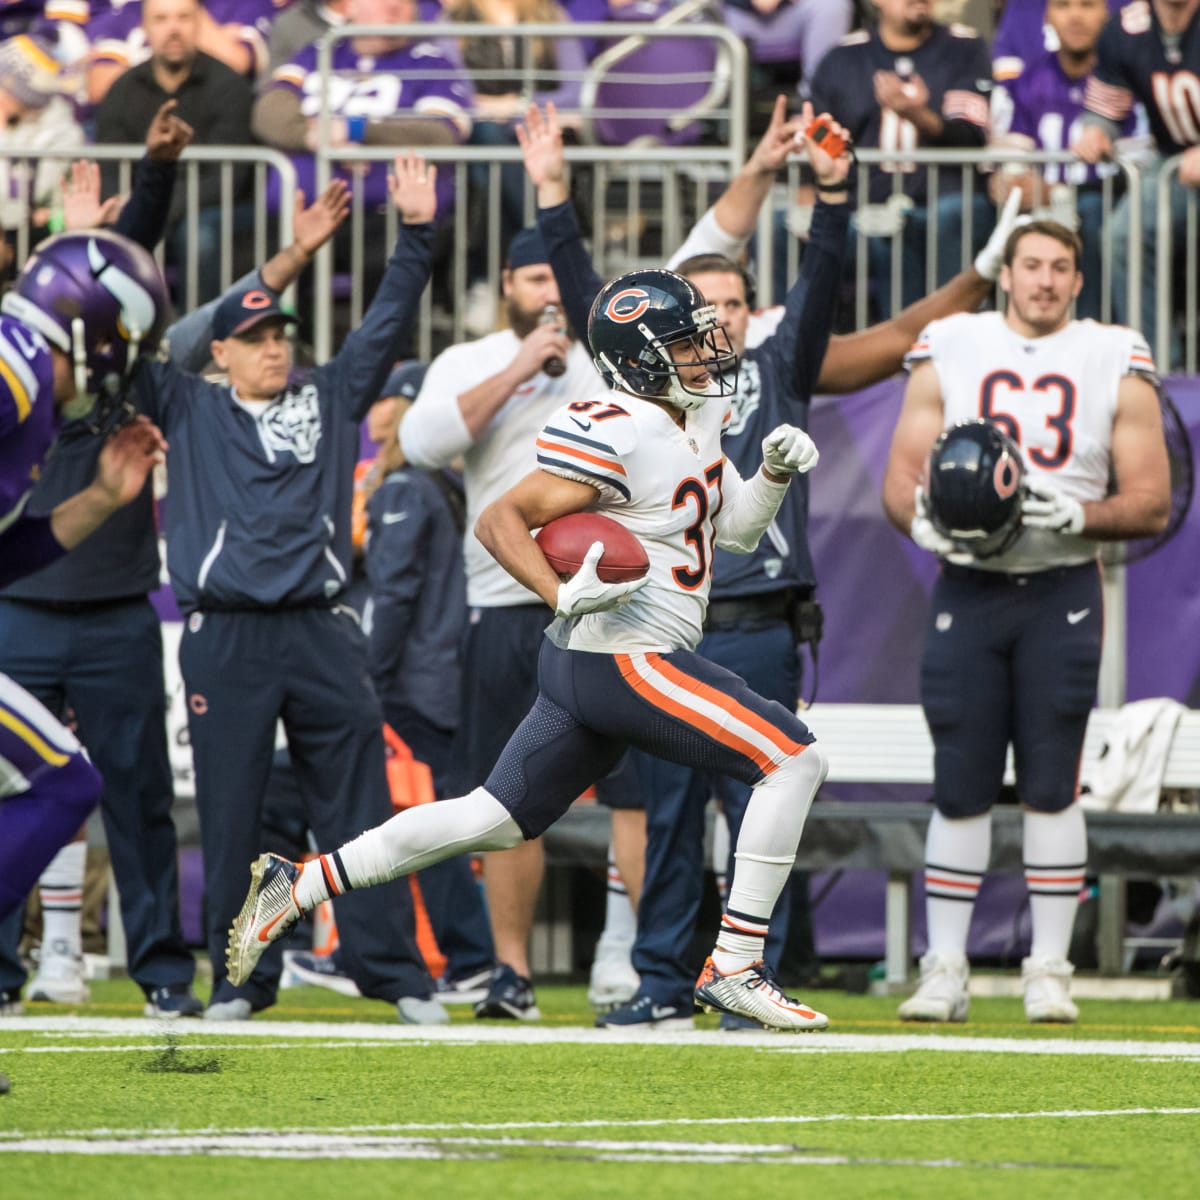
271 229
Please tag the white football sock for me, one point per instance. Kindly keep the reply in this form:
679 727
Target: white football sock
764 856
61 892
1055 846
956 859
620 919
409 841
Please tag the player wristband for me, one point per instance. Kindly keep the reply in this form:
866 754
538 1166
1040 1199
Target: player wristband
356 128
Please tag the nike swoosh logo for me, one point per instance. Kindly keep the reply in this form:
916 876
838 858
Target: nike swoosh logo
392 518
266 929
658 1012
582 424
1073 618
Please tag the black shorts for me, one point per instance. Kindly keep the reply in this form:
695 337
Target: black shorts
1010 658
500 685
591 707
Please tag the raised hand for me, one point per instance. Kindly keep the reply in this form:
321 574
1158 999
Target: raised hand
411 187
313 226
831 172
168 135
991 258
81 203
586 592
778 142
540 139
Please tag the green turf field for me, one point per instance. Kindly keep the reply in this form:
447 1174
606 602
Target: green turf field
330 1097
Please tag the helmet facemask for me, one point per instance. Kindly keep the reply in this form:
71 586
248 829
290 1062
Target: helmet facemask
654 374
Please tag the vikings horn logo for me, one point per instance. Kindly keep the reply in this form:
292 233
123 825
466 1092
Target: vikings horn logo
137 305
627 305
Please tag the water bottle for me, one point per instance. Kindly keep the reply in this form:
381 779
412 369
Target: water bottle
554 366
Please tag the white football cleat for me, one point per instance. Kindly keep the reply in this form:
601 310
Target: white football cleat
269 911
60 977
754 994
613 980
1048 991
942 993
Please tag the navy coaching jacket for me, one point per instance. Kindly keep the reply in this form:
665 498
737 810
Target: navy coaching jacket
258 510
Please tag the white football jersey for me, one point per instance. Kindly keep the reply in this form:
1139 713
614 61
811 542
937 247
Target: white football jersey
665 485
1056 396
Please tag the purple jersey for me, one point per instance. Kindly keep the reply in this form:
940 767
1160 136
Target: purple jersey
29 423
1047 105
412 80
953 63
1138 63
117 36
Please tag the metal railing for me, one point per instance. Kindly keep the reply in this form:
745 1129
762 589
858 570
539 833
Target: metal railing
1164 278
963 166
227 159
639 168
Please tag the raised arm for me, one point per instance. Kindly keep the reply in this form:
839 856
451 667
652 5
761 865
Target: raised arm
188 339
369 352
857 360
540 138
144 216
728 225
803 335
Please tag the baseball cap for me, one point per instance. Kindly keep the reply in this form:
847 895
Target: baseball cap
527 249
404 380
236 315
28 71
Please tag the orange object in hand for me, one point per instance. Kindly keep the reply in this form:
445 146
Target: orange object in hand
820 132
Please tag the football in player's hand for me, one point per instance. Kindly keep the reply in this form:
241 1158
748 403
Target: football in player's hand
566 540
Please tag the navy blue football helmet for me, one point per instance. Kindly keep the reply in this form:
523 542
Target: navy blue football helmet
976 477
99 298
634 322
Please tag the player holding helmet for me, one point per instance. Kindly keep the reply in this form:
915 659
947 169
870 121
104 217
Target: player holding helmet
1012 650
86 305
617 667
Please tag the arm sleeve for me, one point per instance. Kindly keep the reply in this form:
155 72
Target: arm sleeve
189 338
433 432
144 217
707 237
800 341
578 283
749 507
359 368
276 118
27 545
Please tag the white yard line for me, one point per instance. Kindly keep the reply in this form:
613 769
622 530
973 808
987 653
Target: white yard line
286 1032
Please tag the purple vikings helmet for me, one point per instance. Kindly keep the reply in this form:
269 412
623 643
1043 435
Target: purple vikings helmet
97 297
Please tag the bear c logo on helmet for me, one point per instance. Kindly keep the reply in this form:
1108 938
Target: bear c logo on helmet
627 305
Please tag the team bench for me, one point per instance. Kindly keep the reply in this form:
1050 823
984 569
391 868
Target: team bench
889 743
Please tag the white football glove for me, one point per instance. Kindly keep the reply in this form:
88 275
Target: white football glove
789 451
586 592
923 532
1046 507
991 258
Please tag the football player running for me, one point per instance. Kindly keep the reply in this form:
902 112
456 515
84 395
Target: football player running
84 307
617 666
1012 651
